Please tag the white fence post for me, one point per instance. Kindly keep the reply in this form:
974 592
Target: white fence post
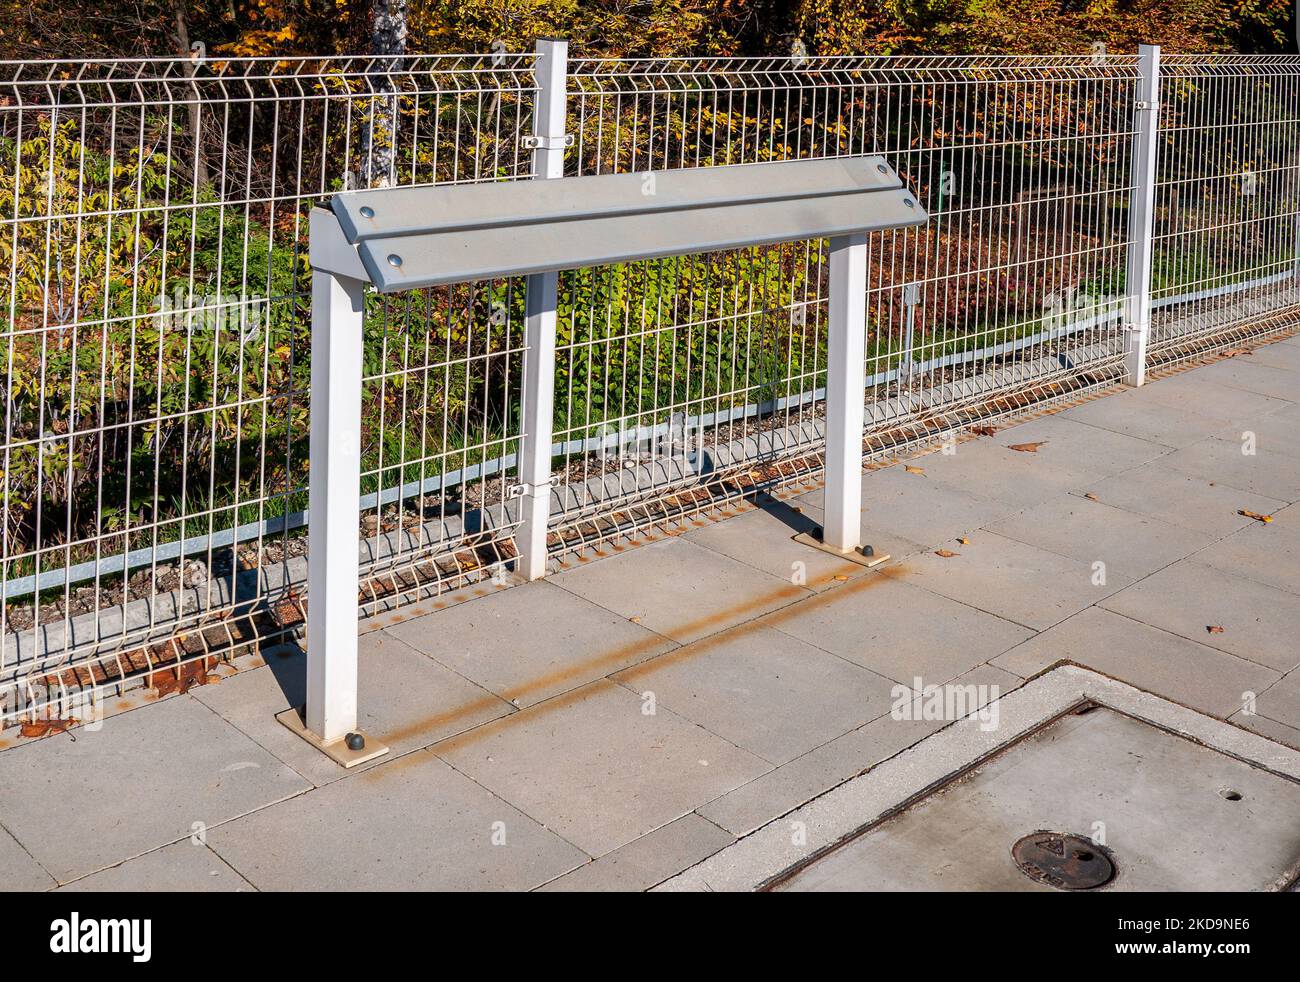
1141 219
548 142
845 391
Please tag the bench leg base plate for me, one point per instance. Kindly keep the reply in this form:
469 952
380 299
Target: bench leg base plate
852 556
336 750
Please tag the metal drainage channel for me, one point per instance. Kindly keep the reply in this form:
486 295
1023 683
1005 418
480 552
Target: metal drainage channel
1063 860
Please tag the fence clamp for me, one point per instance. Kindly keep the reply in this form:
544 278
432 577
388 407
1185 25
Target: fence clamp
548 142
529 490
1147 104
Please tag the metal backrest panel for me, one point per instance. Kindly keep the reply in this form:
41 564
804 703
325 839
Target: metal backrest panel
409 238
391 212
413 261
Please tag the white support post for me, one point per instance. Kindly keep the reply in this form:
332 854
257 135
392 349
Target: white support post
548 142
1141 224
334 501
845 392
334 505
338 278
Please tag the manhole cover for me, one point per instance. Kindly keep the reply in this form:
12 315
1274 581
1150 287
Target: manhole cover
1067 862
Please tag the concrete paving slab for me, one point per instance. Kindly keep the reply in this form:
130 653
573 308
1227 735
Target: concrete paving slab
987 469
679 589
1128 413
500 643
1159 798
1259 623
1223 462
1281 700
1274 432
792 784
1266 552
1187 672
899 630
1291 411
140 782
991 681
182 867
763 690
917 509
1284 356
1278 732
18 870
763 539
1244 372
1188 391
1018 582
1180 499
411 824
1074 526
646 861
404 698
1069 446
598 768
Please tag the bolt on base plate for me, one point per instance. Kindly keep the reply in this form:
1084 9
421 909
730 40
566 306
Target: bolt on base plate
337 750
863 555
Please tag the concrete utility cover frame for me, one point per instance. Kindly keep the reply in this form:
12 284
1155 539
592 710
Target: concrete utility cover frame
406 238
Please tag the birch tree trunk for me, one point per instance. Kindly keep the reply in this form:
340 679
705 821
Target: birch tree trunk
379 141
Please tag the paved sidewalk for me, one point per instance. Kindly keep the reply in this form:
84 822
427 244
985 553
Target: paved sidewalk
637 712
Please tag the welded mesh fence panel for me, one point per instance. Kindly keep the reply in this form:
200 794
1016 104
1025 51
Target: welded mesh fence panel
1227 238
699 378
153 232
156 361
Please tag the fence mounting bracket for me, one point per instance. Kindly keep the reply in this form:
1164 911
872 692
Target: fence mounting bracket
548 142
531 490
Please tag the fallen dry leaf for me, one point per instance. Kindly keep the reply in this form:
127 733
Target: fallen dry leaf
1214 628
984 430
1091 497
1237 351
946 554
964 541
1255 515
913 470
1026 447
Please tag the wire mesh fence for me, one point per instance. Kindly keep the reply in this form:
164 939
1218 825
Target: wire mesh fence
1011 290
153 221
153 228
1227 239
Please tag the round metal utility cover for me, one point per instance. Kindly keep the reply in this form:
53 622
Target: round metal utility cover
1064 861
